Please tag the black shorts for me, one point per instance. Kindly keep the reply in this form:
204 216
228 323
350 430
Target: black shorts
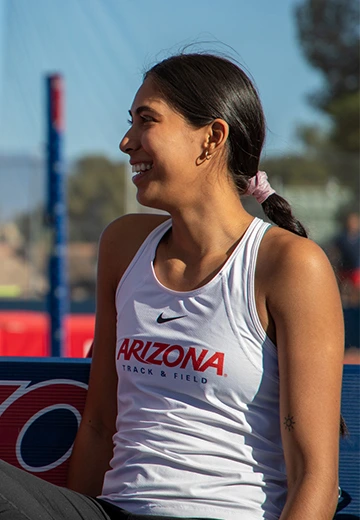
26 497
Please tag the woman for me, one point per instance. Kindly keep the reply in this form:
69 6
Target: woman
216 373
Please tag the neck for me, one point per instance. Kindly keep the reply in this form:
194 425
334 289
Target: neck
207 229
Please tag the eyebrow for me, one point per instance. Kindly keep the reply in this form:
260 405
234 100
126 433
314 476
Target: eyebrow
144 108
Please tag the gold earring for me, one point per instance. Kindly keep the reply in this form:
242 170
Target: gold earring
207 155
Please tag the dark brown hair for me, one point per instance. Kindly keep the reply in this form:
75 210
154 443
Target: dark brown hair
204 87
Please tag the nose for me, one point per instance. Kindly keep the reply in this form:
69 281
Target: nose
127 143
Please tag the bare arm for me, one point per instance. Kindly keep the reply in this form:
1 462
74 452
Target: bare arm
93 446
305 305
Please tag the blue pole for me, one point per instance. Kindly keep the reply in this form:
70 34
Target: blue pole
56 216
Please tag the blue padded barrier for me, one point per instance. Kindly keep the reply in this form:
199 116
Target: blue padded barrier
42 399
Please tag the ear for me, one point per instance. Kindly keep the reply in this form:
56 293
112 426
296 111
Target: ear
218 132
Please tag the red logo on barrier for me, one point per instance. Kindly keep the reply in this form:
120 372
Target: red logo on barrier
21 405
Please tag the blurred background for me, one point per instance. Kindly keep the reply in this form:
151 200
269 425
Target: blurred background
304 58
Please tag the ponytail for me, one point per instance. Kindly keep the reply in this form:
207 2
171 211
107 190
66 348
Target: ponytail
275 207
278 210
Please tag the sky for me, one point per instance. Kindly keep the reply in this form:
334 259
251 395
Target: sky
101 48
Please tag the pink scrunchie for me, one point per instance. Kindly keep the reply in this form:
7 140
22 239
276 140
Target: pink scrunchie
259 187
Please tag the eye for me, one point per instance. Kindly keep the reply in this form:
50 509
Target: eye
146 119
130 122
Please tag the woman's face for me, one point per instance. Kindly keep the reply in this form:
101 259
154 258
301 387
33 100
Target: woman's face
163 150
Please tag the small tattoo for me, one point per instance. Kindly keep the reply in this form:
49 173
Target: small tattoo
289 422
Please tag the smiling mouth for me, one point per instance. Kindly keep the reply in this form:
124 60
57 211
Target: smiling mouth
140 169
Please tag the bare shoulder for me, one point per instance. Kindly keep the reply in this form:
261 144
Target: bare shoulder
283 252
132 228
122 238
291 267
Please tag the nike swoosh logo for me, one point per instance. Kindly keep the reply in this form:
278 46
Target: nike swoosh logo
160 318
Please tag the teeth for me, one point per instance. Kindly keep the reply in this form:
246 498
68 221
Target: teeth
141 167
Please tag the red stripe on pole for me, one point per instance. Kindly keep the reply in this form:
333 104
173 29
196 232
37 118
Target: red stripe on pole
57 112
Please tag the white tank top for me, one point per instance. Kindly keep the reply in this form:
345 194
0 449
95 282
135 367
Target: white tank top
198 428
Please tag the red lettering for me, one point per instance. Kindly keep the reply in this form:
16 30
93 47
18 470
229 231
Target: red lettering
196 362
215 361
171 355
146 348
178 359
159 349
124 349
136 345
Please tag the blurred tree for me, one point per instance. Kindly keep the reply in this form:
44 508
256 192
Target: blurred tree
317 163
296 170
345 114
328 32
95 196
